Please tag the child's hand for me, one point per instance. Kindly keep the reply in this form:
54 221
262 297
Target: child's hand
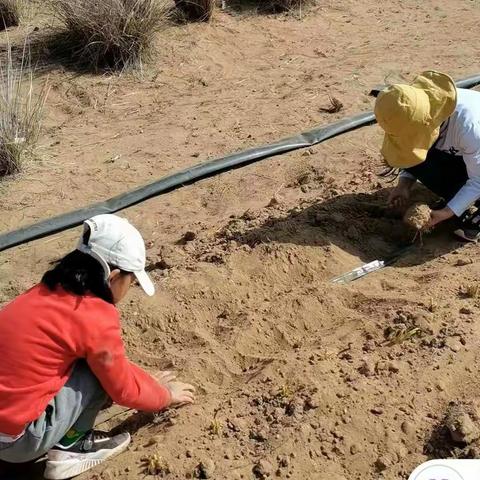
181 393
438 216
164 377
399 196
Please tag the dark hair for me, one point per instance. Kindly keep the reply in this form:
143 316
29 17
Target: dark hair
79 273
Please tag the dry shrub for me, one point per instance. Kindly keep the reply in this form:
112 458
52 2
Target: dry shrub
13 12
471 290
196 10
113 34
10 11
286 5
268 6
21 111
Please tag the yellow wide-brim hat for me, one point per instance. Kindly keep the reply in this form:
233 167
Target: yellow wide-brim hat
411 116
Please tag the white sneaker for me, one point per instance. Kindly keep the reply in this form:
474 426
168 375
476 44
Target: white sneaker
91 450
469 226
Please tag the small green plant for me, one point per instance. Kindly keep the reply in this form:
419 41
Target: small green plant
215 427
21 111
285 391
156 465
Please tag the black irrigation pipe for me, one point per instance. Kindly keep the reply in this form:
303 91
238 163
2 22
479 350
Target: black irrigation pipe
194 174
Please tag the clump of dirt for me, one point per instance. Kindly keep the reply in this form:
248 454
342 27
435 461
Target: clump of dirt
460 421
417 216
204 469
263 469
308 175
458 434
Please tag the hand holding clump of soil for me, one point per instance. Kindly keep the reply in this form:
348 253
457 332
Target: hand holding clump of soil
418 216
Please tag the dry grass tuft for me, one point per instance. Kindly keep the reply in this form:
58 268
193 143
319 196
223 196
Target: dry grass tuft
266 6
397 335
115 34
287 5
470 290
21 112
215 427
155 465
280 6
196 10
10 12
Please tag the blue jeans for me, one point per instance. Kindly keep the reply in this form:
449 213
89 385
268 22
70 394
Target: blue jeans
75 406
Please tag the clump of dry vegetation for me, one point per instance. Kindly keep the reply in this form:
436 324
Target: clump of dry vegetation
195 10
470 290
215 427
156 465
399 334
264 6
287 5
10 11
114 34
275 6
335 105
21 111
417 216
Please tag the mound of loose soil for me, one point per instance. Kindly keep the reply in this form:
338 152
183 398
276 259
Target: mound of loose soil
457 435
462 427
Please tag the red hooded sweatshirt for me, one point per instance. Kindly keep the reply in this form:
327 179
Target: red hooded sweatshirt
43 333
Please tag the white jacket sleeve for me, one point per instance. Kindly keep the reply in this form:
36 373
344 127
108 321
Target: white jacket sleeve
470 192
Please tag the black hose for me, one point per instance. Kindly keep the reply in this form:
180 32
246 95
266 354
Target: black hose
467 82
192 175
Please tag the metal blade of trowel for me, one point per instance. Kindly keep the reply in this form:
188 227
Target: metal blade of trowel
370 267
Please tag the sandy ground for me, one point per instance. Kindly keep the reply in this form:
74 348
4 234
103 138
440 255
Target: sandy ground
296 377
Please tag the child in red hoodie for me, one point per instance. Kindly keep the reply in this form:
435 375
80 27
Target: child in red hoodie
63 356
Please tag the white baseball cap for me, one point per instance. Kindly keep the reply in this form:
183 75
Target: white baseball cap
116 242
